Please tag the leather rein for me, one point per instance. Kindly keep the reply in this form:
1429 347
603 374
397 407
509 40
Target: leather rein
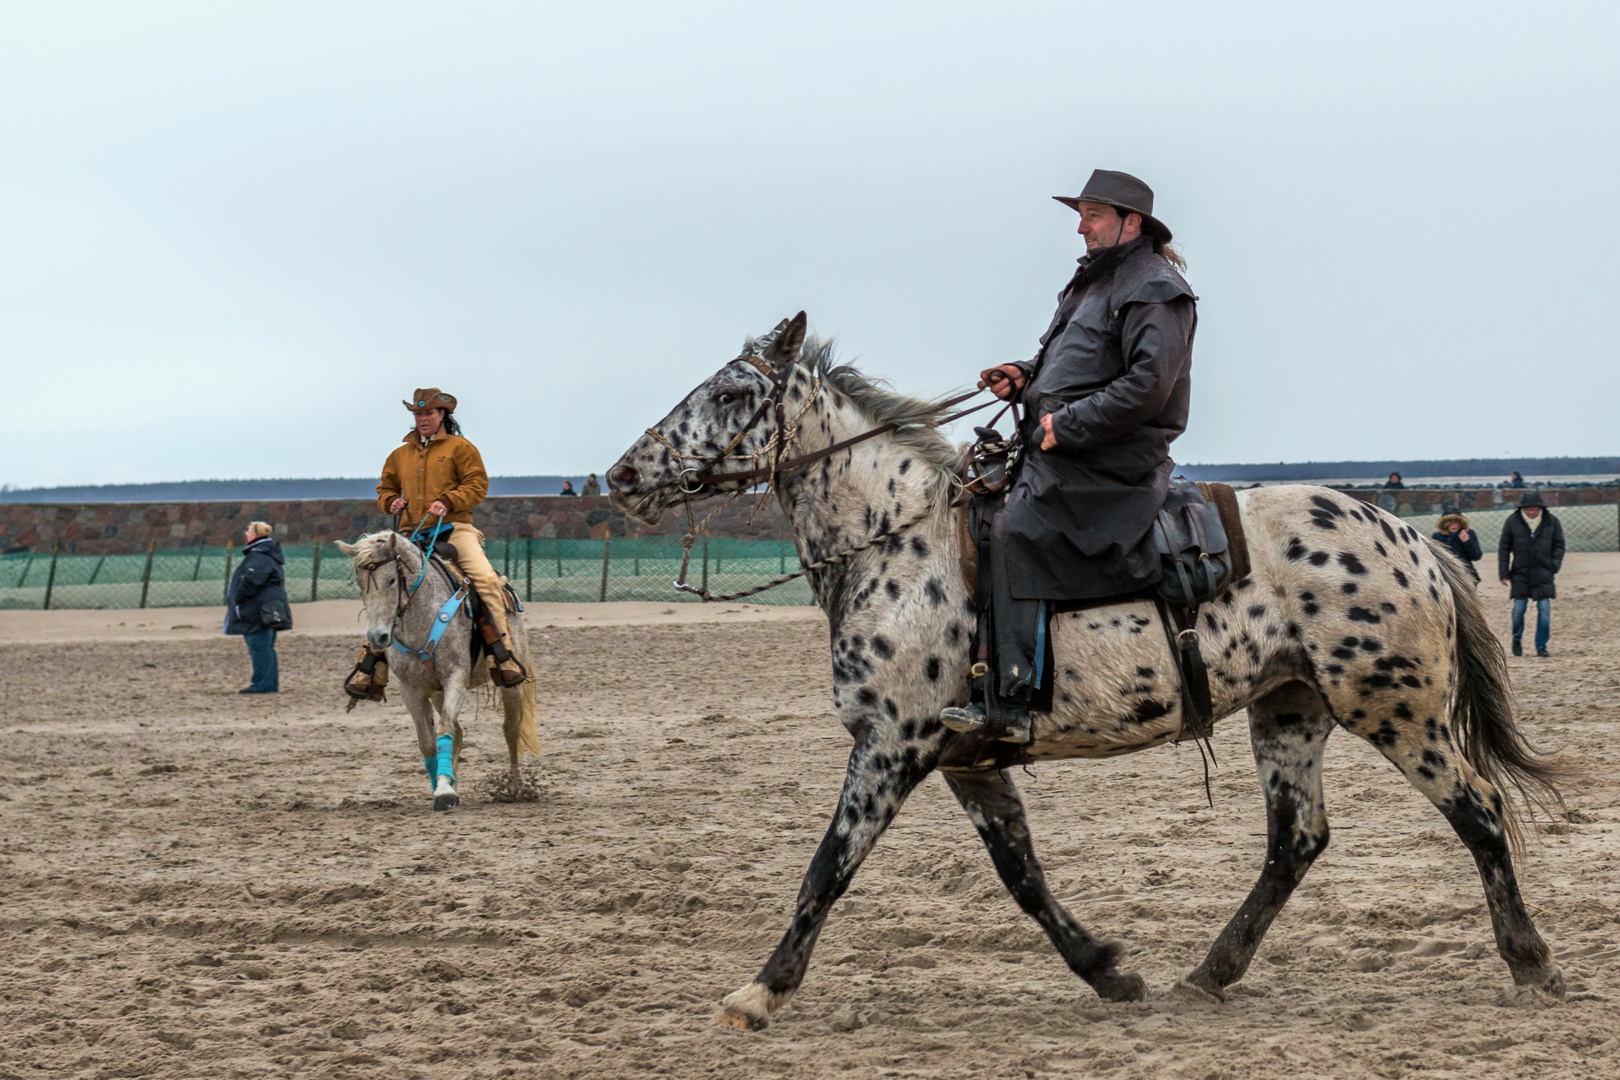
694 479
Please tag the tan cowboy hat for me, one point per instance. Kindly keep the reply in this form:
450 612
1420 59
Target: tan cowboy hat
431 398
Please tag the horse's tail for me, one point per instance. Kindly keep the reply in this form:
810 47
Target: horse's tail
524 698
1482 718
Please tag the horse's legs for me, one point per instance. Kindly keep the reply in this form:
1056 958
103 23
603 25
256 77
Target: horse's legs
421 710
1288 729
447 742
1428 757
876 783
993 805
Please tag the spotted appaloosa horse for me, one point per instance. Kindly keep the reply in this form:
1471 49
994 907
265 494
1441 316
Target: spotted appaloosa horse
1349 619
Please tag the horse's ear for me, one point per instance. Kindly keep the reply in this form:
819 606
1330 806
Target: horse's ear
786 341
347 549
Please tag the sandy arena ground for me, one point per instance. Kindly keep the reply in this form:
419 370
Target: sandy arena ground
199 884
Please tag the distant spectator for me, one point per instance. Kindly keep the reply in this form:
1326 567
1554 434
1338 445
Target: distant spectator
1515 481
591 486
256 606
1394 481
1456 538
1529 557
568 488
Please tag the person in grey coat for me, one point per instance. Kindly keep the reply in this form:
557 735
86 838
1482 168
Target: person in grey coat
1528 559
256 606
1105 395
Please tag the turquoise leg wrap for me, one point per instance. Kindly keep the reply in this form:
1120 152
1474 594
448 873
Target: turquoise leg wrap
447 750
431 764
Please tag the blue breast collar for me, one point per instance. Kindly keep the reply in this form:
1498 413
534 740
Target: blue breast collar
441 622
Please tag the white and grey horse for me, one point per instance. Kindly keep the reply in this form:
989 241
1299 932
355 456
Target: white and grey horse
403 603
1349 618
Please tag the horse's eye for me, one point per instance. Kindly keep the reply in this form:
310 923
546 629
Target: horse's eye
726 399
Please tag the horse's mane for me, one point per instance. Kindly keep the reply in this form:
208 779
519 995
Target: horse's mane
917 418
369 549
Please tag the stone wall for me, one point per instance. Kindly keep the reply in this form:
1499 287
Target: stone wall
1412 501
127 528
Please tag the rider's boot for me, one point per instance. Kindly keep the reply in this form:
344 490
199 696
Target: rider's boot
369 679
505 669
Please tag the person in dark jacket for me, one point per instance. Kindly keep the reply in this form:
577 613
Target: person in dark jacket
256 606
1515 481
1394 483
1527 560
1455 536
1105 395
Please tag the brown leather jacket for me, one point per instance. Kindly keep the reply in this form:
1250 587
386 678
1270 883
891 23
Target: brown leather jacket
447 467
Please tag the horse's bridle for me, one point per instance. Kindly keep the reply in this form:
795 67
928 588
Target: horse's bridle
404 598
695 478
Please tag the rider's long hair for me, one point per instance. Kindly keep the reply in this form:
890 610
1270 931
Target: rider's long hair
1171 255
450 427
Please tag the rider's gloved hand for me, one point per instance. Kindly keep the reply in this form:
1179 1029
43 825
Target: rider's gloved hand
1003 381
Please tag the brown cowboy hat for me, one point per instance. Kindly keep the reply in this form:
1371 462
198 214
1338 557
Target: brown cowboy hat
431 398
1124 193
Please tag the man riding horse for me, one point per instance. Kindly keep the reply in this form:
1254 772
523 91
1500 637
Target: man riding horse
432 482
1105 395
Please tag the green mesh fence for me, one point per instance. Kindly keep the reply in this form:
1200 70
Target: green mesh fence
1592 527
540 569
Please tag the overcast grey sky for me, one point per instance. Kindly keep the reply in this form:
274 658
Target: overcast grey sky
234 236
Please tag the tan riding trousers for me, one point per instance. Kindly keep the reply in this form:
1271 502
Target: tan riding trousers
471 561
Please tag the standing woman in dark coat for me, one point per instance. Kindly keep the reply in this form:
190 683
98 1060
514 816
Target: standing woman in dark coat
1529 557
1456 538
256 606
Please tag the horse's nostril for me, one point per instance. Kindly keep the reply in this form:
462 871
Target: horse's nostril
623 475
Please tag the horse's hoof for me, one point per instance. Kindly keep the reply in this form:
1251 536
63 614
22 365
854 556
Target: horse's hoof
1200 987
750 1008
732 1017
1126 987
1548 980
446 802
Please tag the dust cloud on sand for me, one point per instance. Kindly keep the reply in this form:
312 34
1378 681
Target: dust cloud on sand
197 883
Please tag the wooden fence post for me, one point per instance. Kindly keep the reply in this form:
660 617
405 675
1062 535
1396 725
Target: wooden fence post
146 575
50 578
705 563
528 568
315 570
196 568
99 564
226 594
607 546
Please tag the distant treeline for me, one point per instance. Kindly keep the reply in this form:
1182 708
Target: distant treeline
364 486
359 487
1490 468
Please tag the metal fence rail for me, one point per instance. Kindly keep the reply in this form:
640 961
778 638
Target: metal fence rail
539 568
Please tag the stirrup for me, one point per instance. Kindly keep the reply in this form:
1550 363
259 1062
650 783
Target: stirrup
505 678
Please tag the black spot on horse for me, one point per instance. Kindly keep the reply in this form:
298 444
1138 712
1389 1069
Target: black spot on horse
881 646
1400 578
1386 735
953 632
1389 533
1403 711
1413 681
1144 672
892 587
931 668
1361 614
891 708
905 463
1351 563
1296 550
919 547
908 730
934 591
1371 645
1148 710
1349 588
1425 772
867 696
1256 610
1342 653
1387 607
1332 508
1320 558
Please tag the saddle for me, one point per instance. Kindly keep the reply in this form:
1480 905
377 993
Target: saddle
1202 549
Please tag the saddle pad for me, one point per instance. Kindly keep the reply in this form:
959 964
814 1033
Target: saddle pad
967 551
1226 504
